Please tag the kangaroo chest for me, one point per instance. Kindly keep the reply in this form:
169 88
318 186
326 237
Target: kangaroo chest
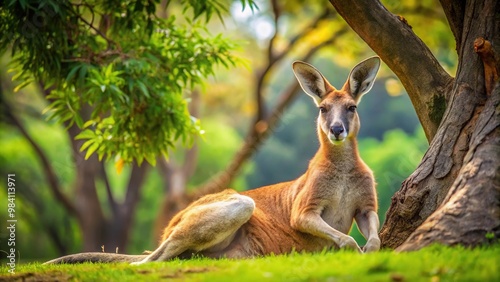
339 204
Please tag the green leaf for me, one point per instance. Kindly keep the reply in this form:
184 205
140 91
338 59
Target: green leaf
143 88
87 144
78 120
151 159
86 134
22 85
73 72
89 123
140 159
91 150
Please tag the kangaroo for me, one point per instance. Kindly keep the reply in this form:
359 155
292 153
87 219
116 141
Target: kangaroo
313 212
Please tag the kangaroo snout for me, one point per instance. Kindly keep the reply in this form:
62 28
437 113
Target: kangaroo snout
337 129
337 132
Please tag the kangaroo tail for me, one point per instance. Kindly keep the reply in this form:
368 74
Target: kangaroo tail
96 257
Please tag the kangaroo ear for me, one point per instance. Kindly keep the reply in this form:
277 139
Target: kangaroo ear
311 81
362 77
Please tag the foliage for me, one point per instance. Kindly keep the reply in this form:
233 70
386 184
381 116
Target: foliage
115 68
436 263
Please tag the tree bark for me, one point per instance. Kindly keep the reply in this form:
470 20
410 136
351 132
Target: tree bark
470 213
118 225
456 183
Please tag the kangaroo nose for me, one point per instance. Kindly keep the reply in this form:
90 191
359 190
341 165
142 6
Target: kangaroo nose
337 130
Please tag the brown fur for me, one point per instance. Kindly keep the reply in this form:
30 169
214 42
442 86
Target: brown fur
311 213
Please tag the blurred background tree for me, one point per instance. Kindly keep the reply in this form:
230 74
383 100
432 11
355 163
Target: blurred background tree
239 107
116 75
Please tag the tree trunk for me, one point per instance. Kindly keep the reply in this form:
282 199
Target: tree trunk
100 230
91 218
470 213
453 195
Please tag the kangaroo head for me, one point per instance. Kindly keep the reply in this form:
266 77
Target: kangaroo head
338 118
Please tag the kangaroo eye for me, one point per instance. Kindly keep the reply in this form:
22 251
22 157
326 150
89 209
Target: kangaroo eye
322 110
352 108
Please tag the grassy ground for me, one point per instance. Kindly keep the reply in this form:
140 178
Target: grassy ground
432 264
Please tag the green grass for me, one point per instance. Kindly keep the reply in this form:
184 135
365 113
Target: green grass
436 263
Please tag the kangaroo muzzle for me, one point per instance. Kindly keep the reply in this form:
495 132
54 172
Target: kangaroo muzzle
338 133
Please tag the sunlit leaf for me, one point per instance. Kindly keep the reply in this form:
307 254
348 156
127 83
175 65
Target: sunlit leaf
86 134
91 150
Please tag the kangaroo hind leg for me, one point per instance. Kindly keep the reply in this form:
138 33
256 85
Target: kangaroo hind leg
207 224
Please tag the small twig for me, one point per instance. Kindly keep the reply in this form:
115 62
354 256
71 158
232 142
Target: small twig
90 9
100 33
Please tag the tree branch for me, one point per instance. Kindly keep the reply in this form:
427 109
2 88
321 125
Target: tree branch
97 30
47 168
136 180
327 13
111 200
409 58
270 47
274 58
51 227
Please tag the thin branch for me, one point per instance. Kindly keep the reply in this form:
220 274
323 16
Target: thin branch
46 166
165 171
111 200
276 58
270 47
98 31
163 14
314 24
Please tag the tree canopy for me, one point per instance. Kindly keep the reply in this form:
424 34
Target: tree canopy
115 68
